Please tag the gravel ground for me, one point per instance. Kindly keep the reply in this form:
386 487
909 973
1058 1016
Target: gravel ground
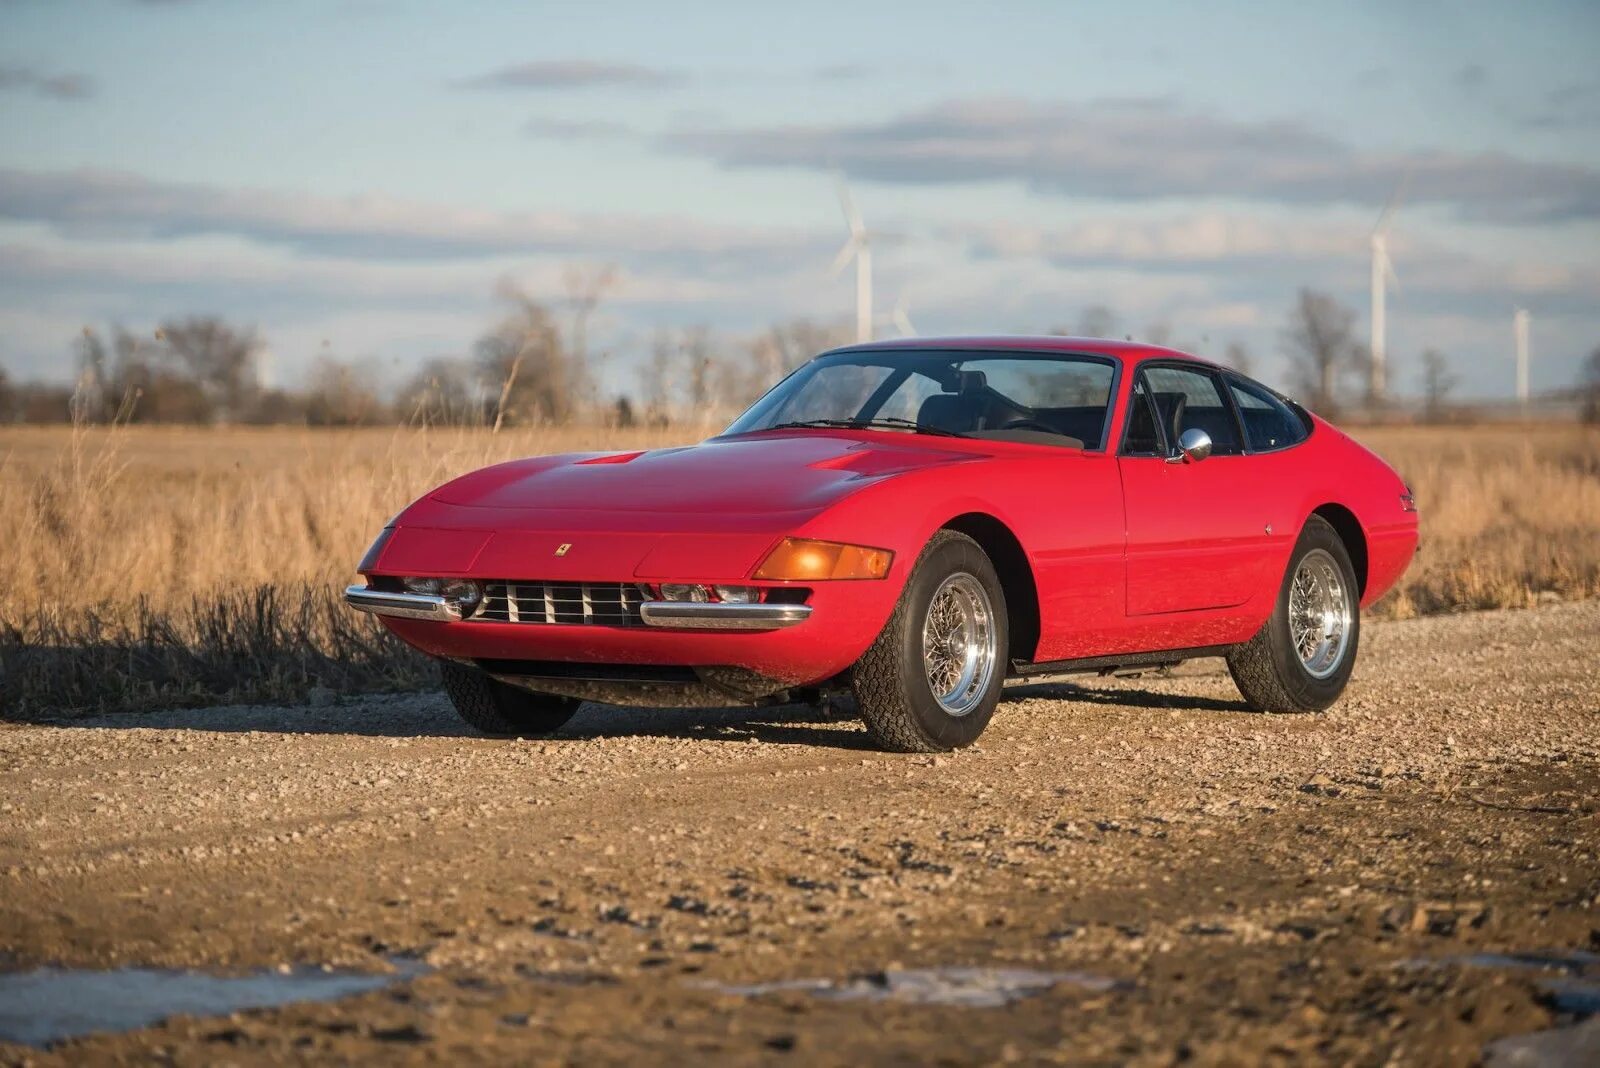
1198 882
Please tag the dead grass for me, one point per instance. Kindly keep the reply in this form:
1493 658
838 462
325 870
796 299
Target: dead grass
1510 514
163 565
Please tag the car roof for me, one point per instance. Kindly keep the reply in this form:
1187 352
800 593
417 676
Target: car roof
1131 351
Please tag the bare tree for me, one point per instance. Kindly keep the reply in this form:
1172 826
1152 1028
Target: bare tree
1437 382
1097 320
525 358
1589 387
1321 344
1237 356
218 358
797 340
694 350
8 398
622 415
655 379
585 286
342 394
443 391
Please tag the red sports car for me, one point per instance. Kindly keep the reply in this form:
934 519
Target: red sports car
919 522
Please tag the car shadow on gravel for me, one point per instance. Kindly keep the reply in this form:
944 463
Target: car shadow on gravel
1066 691
429 716
773 724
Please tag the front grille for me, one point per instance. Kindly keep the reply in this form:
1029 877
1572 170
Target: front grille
607 604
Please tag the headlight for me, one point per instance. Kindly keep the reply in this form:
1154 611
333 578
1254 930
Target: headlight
463 593
685 591
807 560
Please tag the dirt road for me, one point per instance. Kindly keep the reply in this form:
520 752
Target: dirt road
1197 882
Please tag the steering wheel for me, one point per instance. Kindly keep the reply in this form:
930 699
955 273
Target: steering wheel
1024 423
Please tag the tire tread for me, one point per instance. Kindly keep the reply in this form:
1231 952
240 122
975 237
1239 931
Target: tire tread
1258 665
879 679
495 708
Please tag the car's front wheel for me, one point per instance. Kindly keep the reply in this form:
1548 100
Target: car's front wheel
497 708
931 681
1301 659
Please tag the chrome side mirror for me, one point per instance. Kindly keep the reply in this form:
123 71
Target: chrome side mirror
1194 445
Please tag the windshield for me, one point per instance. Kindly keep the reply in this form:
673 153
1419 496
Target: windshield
1046 399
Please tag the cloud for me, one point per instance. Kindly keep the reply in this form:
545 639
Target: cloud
119 205
575 74
1470 76
55 86
843 72
207 274
1152 149
1573 104
1244 256
1202 240
575 129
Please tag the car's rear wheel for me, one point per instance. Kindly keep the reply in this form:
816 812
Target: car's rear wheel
931 681
1301 659
497 708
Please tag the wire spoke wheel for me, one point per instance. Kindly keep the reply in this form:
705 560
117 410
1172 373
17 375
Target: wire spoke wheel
959 644
1320 611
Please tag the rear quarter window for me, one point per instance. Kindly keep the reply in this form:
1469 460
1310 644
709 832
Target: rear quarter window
1269 423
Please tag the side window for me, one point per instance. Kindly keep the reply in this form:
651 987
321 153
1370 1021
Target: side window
1188 400
1268 422
1141 438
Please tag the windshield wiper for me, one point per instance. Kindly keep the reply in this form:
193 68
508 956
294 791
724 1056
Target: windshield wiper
889 422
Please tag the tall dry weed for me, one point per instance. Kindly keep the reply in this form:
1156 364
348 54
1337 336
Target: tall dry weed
145 557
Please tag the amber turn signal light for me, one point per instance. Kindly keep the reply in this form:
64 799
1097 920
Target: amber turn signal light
802 559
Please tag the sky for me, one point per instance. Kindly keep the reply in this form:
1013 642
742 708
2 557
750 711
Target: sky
358 178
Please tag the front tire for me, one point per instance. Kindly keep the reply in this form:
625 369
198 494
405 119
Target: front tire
1301 660
502 710
932 679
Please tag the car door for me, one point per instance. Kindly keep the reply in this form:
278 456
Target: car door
1194 540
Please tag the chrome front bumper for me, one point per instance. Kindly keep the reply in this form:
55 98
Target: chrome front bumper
403 605
683 615
716 615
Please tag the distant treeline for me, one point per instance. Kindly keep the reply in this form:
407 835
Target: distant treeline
528 369
534 367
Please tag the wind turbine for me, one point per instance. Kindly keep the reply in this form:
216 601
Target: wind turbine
1519 329
901 317
1382 275
858 246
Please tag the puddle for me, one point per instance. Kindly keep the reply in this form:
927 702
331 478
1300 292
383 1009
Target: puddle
1579 997
1573 963
50 1004
1560 1047
1576 962
1574 993
975 988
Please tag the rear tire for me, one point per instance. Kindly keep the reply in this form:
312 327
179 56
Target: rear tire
947 630
1301 660
502 710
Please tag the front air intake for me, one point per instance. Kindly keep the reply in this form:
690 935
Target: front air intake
606 604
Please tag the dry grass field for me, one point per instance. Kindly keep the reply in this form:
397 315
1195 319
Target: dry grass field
146 565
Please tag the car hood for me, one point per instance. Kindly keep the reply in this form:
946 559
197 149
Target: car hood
748 475
706 512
